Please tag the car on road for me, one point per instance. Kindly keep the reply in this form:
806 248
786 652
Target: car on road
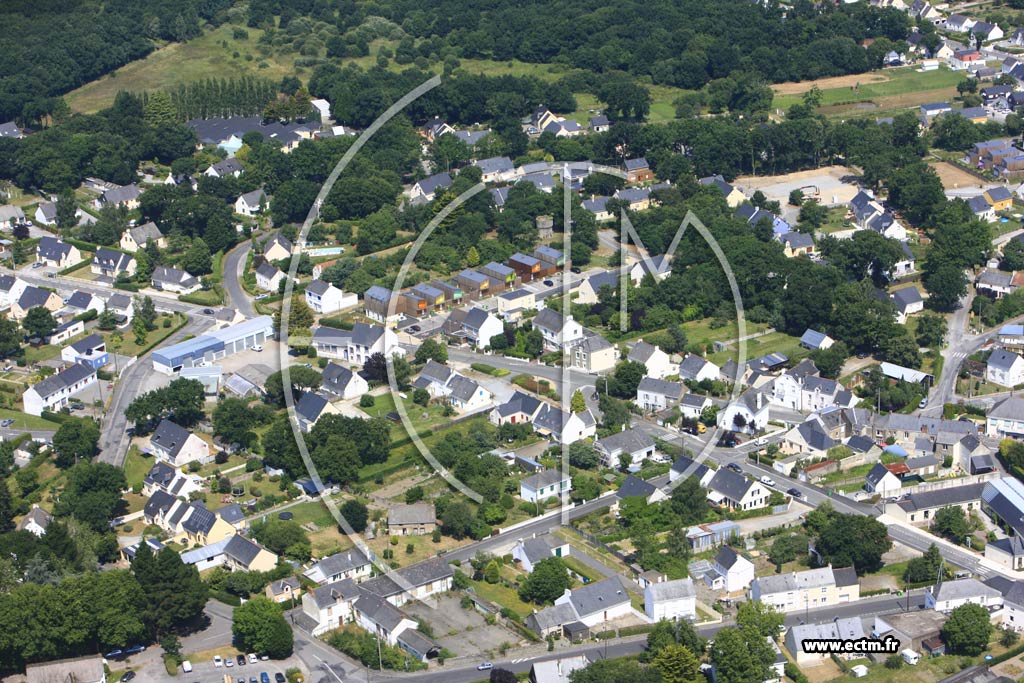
484 666
128 675
768 481
796 493
7 423
549 283
217 661
923 403
241 660
252 658
207 311
735 468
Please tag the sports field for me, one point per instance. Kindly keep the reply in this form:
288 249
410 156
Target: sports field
882 91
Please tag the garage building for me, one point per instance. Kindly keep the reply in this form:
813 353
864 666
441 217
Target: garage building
214 345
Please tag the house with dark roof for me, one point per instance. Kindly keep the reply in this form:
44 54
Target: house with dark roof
591 604
544 485
36 521
1005 368
747 414
349 564
948 595
658 363
57 391
251 203
174 280
177 446
495 169
1006 419
91 351
135 238
126 196
736 492
310 407
112 264
428 188
57 253
416 519
919 507
730 571
638 170
632 446
343 382
635 487
796 243
733 197
686 467
224 168
528 552
34 297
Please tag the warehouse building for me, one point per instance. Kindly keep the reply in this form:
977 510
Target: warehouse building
214 345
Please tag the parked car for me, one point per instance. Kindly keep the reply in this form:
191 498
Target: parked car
128 675
37 264
279 677
7 423
264 677
549 283
735 468
228 661
217 661
252 658
796 493
257 348
576 270
134 649
207 311
767 481
241 660
923 403
113 654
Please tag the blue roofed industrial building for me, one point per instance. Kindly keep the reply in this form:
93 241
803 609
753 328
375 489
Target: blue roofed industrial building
213 345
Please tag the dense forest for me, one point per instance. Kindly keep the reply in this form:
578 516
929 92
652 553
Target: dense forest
55 46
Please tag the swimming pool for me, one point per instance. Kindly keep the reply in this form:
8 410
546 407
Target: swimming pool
325 251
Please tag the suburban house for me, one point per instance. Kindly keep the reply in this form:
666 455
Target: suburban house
269 277
591 604
81 301
671 600
88 669
56 391
658 363
558 331
1005 368
698 368
1006 419
908 301
251 203
377 302
416 519
946 596
1003 501
528 552
558 670
798 389
178 446
138 237
426 189
692 406
310 407
882 480
733 197
34 297
169 279
126 196
476 326
11 289
707 536
122 307
734 491
1008 552
57 253
323 297
277 248
46 213
796 244
342 382
638 171
588 291
512 304
809 589
495 169
36 521
223 168
233 552
356 345
112 264
546 484
593 354
747 414
633 445
815 341
284 590
847 628
731 571
91 351
349 564
165 477
658 394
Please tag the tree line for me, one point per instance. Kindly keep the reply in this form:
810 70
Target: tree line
213 97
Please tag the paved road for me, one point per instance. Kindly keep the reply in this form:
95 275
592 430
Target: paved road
113 439
66 285
234 263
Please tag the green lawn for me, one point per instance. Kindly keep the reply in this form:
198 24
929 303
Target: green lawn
23 421
313 511
776 342
836 221
34 354
901 82
504 596
136 466
127 345
385 403
702 333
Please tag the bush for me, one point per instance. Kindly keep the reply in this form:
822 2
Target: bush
894 662
366 401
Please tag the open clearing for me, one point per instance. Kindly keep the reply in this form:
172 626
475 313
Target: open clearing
953 177
835 185
879 91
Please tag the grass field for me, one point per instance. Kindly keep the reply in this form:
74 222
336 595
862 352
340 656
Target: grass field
901 85
23 421
776 342
136 466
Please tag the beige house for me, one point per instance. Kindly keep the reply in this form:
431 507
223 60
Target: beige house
277 247
594 354
138 237
808 589
417 519
35 297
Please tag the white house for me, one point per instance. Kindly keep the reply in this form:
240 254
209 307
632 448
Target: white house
814 340
178 446
671 600
698 368
479 326
880 480
11 289
528 552
544 485
36 521
268 277
56 391
1006 418
323 297
737 492
658 394
169 279
558 331
251 203
948 595
1005 369
342 382
658 363
356 345
747 414
731 571
224 168
691 406
598 602
348 564
635 444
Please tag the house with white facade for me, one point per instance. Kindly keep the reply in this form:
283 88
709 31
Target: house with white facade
736 492
658 363
697 368
948 595
633 444
1005 368
558 331
175 280
592 604
671 600
251 203
323 297
1006 419
882 481
546 484
268 277
343 382
58 390
658 394
356 345
178 446
747 414
809 589
730 571
529 551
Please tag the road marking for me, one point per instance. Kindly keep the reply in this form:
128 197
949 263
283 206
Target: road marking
328 667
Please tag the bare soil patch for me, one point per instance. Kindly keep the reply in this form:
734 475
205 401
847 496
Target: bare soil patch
830 83
953 177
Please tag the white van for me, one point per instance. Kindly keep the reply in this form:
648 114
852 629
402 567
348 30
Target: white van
910 657
186 666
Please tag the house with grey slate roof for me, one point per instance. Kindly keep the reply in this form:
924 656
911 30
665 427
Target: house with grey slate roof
630 445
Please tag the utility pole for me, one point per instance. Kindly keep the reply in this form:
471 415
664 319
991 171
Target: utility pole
380 660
